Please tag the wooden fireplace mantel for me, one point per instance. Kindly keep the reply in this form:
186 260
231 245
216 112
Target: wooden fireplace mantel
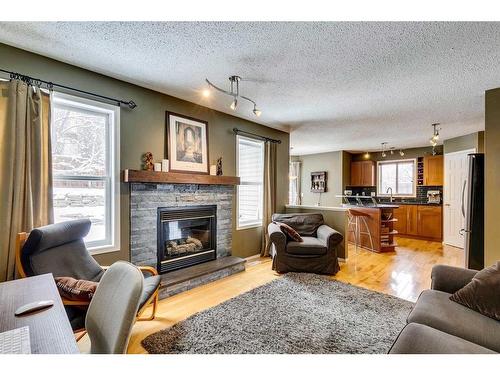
133 175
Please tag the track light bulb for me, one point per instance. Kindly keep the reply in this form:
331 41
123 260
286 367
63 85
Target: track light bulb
401 152
367 155
383 154
234 104
206 93
256 111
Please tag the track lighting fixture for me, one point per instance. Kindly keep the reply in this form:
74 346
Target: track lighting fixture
401 152
435 135
367 155
256 111
234 91
384 145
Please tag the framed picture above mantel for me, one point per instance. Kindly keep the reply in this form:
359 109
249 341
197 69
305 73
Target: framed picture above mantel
186 143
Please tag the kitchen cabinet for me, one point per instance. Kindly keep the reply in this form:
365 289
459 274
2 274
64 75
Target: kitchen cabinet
419 221
430 222
433 170
400 215
363 173
355 173
412 220
380 222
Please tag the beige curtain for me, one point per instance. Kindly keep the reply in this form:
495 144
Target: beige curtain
269 193
25 166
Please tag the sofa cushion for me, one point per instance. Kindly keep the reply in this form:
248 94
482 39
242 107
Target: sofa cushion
435 309
304 224
419 339
290 233
482 294
308 246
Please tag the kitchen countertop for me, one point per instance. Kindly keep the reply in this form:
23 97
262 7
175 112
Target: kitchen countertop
367 201
380 205
324 208
418 203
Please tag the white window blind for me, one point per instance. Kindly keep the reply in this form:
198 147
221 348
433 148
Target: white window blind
251 172
85 166
397 175
294 183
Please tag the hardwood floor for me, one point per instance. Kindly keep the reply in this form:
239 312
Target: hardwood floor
404 273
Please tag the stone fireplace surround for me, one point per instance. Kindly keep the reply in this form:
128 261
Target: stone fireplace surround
145 198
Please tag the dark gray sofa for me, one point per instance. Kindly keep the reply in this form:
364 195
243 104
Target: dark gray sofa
316 254
437 325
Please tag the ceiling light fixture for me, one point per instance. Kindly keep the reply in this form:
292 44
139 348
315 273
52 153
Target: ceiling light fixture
234 104
392 150
256 111
384 145
206 93
435 135
401 152
234 91
367 155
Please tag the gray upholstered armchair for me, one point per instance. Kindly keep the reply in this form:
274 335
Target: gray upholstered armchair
59 249
316 254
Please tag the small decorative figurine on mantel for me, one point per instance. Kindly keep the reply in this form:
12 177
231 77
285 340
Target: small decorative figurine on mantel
219 166
147 159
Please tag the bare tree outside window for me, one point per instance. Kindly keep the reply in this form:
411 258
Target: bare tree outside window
82 167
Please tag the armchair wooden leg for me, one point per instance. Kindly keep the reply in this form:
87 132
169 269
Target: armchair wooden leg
154 301
79 334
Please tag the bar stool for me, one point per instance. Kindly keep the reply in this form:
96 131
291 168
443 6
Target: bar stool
356 218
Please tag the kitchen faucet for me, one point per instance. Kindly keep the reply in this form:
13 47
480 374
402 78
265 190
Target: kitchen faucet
387 192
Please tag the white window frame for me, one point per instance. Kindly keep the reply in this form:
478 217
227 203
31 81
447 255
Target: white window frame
256 224
112 241
395 194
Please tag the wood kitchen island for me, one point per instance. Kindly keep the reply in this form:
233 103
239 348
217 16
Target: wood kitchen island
380 220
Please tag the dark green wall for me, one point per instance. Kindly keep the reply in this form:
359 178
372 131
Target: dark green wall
143 129
465 142
331 162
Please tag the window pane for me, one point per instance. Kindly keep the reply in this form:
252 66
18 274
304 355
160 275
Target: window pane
387 177
405 178
79 200
78 142
293 189
251 172
249 204
250 162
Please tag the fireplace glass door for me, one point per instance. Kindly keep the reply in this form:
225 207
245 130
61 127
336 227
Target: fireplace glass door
186 237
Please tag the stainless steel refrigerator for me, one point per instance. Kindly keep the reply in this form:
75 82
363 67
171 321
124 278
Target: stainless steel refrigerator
473 210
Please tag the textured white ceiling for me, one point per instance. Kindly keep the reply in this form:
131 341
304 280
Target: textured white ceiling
336 85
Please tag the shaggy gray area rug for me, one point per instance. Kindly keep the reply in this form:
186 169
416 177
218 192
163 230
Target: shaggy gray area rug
297 313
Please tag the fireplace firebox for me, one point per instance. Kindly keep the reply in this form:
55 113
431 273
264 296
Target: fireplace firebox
186 236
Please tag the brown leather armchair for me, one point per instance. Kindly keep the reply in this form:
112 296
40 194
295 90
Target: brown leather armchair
316 254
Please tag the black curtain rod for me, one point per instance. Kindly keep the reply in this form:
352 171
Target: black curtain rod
238 131
50 85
